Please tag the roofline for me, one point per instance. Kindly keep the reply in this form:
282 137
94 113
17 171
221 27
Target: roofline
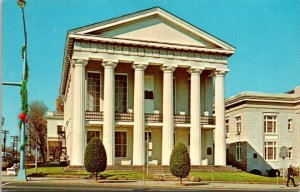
261 97
142 12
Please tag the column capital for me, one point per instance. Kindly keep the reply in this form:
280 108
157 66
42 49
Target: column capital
195 70
221 72
139 66
168 68
83 62
109 64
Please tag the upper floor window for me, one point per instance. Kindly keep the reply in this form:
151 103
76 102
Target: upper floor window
290 121
121 93
238 121
93 91
91 134
270 123
238 151
174 95
227 125
270 150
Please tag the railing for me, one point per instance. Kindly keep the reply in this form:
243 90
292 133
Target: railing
92 115
150 117
153 118
127 117
208 120
58 113
182 118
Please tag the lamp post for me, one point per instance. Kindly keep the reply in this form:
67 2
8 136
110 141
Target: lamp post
22 170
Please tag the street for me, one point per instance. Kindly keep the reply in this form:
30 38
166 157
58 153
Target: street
57 187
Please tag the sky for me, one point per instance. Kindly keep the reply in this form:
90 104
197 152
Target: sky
264 32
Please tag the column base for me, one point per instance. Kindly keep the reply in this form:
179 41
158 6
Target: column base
22 175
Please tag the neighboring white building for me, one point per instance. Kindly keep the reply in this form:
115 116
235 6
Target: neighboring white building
258 125
145 73
55 136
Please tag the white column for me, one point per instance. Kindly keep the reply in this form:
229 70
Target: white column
220 140
195 130
168 124
139 116
77 158
109 111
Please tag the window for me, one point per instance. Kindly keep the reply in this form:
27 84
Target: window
270 123
290 128
238 151
209 151
174 138
174 95
54 149
238 124
148 136
227 125
189 97
93 92
59 129
290 152
121 93
91 134
149 94
270 150
120 144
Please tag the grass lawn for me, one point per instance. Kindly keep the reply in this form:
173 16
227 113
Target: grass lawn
205 176
238 177
59 171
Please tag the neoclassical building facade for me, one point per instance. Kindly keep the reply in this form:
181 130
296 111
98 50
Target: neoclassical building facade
147 77
258 125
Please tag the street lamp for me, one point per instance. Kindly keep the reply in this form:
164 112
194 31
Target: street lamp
21 4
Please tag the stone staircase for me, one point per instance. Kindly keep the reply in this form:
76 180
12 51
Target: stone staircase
160 169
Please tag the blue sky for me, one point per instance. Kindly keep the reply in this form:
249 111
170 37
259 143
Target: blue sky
264 32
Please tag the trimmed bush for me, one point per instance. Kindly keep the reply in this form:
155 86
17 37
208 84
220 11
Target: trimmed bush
180 163
273 173
255 172
95 159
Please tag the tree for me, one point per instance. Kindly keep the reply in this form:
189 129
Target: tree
59 104
95 159
180 163
37 127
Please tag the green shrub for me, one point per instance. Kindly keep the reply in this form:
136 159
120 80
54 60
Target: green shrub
95 159
180 163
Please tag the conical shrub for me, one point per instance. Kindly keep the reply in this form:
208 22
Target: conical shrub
180 163
95 159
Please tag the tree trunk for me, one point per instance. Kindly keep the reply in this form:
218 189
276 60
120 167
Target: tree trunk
96 176
180 180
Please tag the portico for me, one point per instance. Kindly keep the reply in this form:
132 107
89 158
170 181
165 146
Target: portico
124 78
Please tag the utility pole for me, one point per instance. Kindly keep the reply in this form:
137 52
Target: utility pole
15 145
4 132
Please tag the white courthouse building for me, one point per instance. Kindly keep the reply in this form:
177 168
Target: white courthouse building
258 125
145 75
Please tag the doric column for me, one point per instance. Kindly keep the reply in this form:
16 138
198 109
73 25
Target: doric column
168 124
195 130
78 132
220 140
139 115
109 111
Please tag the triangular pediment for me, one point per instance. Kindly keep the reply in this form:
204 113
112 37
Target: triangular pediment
154 29
154 25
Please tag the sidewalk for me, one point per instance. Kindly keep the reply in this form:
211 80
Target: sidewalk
155 184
